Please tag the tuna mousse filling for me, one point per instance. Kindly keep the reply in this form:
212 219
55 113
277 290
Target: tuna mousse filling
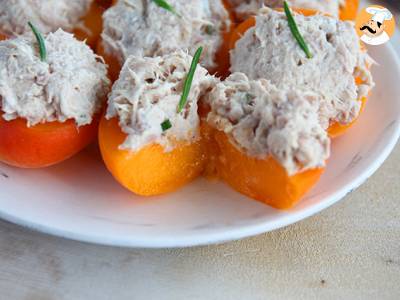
71 83
147 94
47 15
142 28
247 8
262 120
269 50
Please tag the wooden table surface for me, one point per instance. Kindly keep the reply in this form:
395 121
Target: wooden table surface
349 251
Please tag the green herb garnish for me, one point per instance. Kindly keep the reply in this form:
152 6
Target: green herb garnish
166 125
295 31
189 79
164 4
40 40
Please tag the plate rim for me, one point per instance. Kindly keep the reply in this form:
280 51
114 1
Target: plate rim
231 234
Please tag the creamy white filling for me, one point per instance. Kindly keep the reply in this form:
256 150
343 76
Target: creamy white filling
47 15
71 84
147 93
270 51
141 28
262 120
246 8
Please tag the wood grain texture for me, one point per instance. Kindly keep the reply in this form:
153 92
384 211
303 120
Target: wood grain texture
349 251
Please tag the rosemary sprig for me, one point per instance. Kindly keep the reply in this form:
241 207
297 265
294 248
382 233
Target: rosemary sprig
40 40
189 79
295 31
166 125
164 4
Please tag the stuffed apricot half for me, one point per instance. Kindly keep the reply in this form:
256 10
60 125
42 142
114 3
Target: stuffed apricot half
337 69
268 142
52 89
143 28
149 139
81 17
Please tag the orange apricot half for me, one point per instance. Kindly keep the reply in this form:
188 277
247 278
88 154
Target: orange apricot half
44 144
349 10
93 24
149 171
264 180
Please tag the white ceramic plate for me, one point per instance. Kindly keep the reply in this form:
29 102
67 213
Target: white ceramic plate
80 200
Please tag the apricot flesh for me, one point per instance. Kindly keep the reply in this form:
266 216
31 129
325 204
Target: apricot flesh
149 171
264 180
42 145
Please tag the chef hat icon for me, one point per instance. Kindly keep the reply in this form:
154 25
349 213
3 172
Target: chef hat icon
379 14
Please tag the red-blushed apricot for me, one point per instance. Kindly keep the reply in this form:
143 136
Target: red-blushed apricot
222 55
93 24
104 3
114 66
42 145
149 171
264 180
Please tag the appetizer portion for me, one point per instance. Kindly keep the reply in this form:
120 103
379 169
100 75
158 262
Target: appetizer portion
323 56
345 9
52 89
82 17
148 29
150 136
269 142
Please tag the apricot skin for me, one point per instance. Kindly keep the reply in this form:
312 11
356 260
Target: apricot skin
336 129
42 145
94 23
149 171
349 10
114 66
264 180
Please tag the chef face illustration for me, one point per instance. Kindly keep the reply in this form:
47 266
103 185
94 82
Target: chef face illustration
374 30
